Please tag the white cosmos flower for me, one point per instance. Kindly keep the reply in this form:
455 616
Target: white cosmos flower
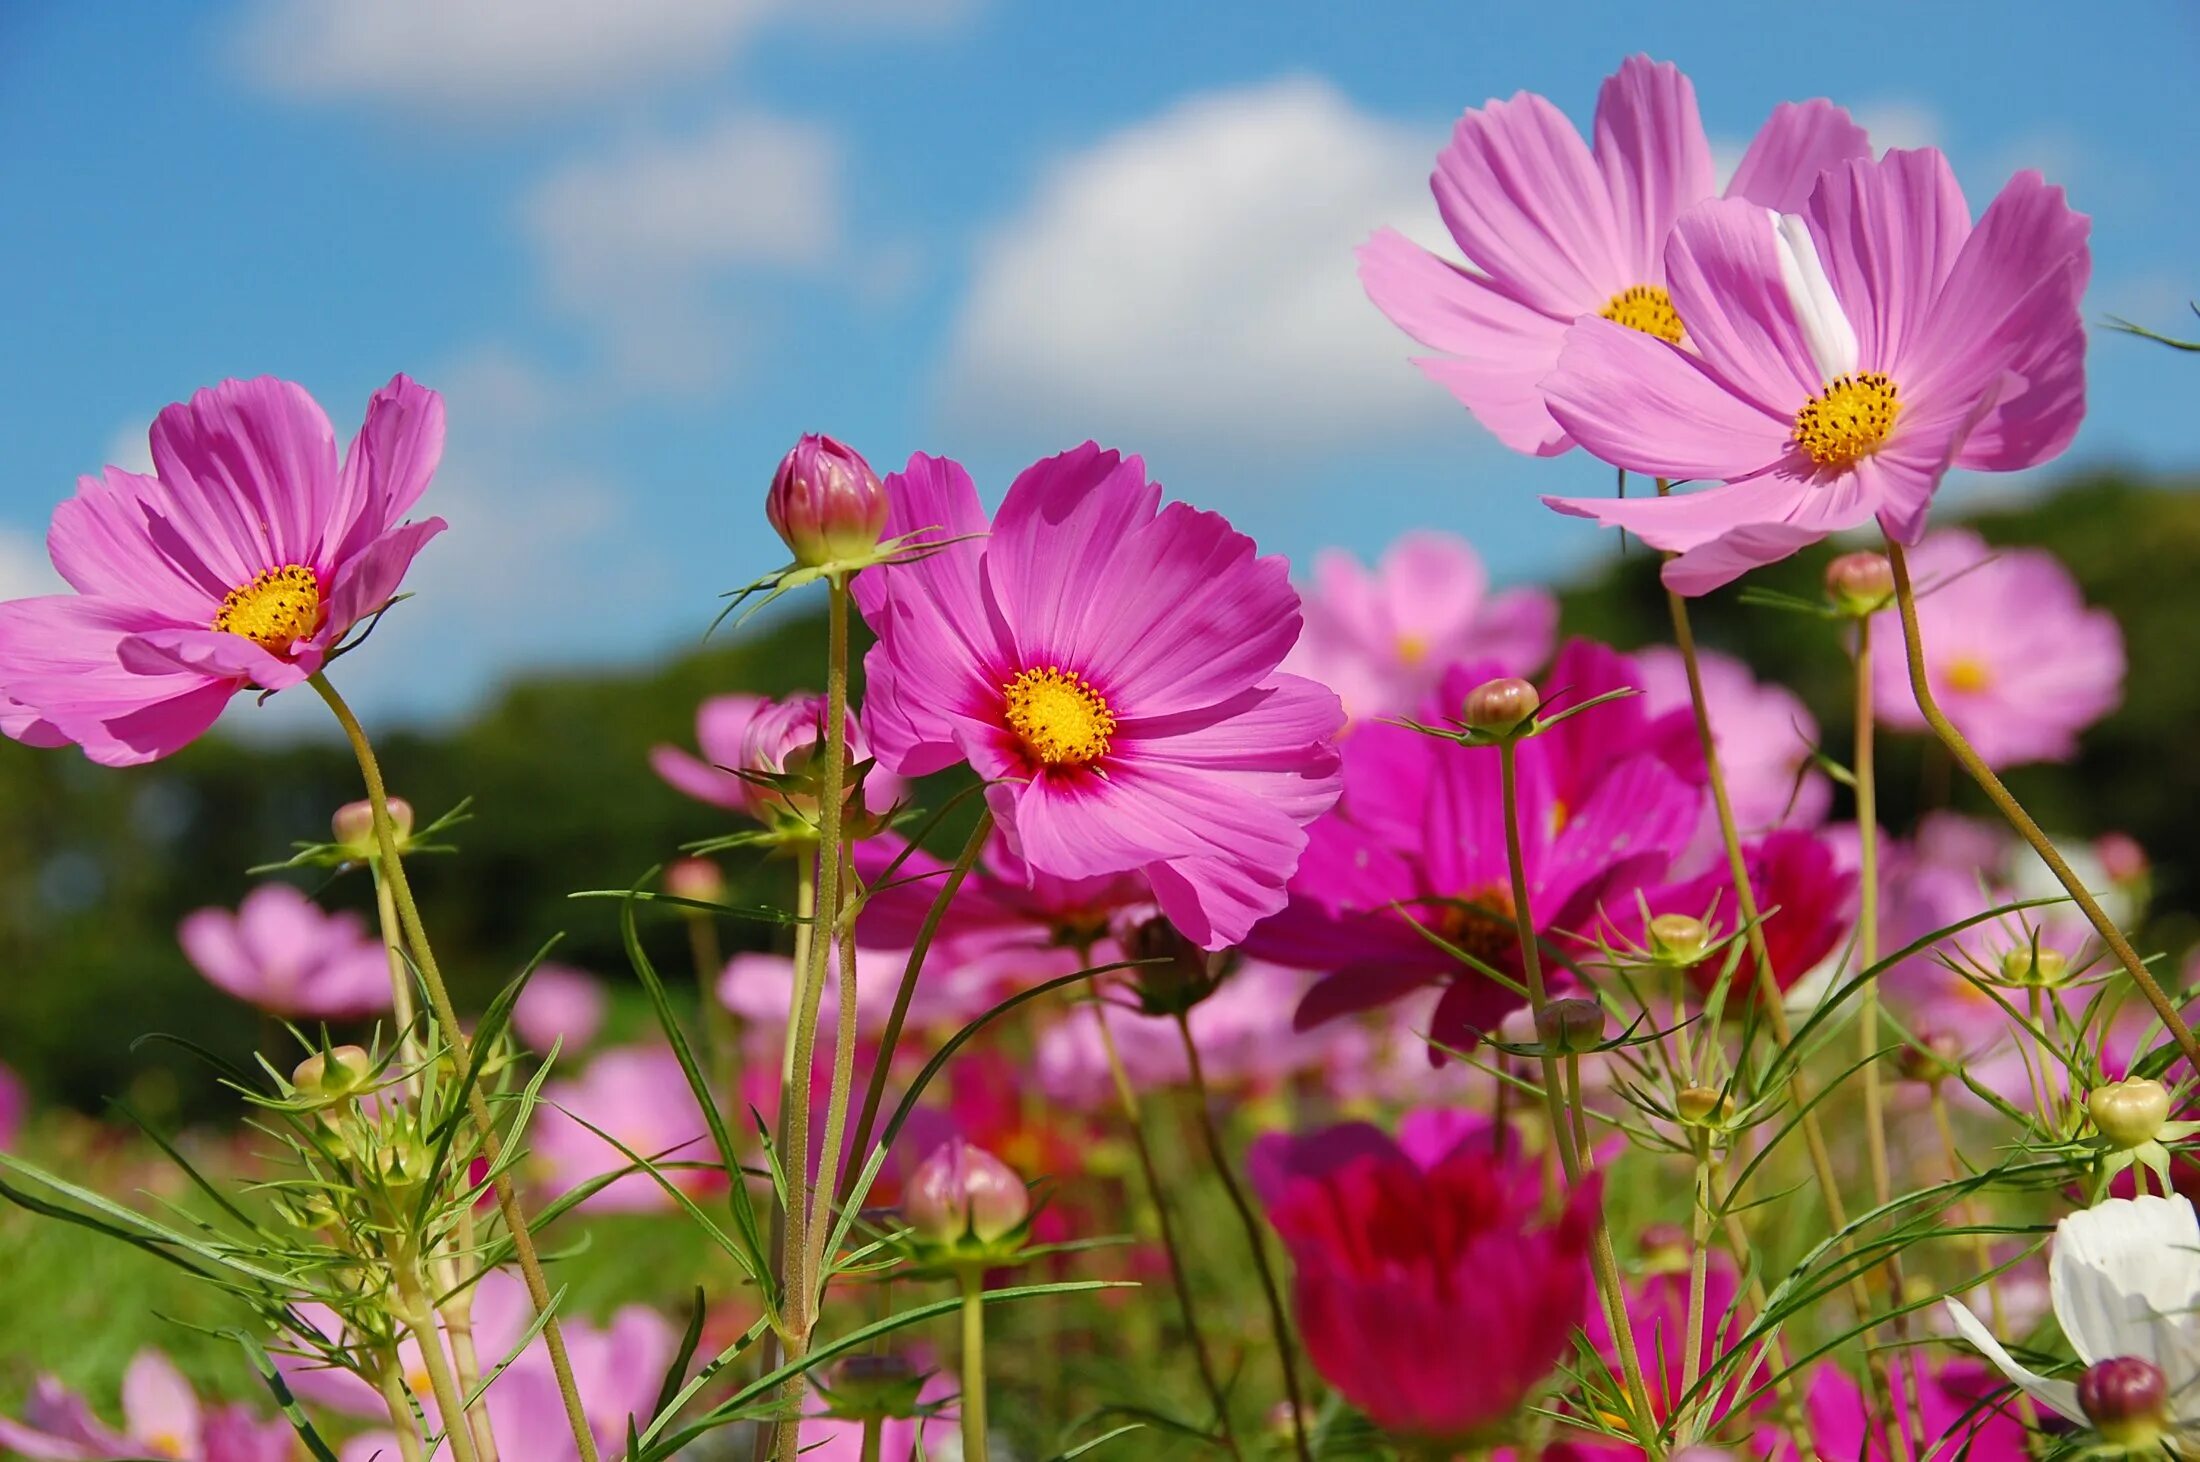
2125 1280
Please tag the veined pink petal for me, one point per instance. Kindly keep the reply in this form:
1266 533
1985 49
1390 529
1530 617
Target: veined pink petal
213 655
1638 403
1722 560
1523 198
112 540
1888 234
692 777
158 1404
1798 141
367 582
1650 147
399 446
1498 349
60 661
1058 548
251 469
1723 267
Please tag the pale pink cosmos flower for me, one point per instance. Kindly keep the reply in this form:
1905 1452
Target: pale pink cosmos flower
559 1004
1838 363
161 1417
752 733
1560 230
1764 733
244 562
285 954
1109 667
1382 638
2013 654
1244 1032
640 1096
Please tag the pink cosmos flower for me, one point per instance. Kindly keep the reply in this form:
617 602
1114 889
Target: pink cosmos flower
560 1003
2015 657
1420 833
754 733
1560 231
1243 1029
161 1417
1108 665
283 953
1428 1293
14 1102
1765 736
1839 363
243 563
1657 1316
639 1095
1382 639
1957 1420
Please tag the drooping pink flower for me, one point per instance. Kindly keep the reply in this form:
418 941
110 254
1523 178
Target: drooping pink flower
640 1096
1381 639
1560 230
14 1103
1839 363
1108 665
2013 654
1419 838
283 953
1764 733
755 734
161 1416
559 1004
243 563
1431 1295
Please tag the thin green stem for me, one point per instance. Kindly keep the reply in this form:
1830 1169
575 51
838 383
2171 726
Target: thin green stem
477 1106
404 1425
1279 1323
2013 812
1699 1256
874 1437
419 1317
805 908
973 1366
836 1106
402 1011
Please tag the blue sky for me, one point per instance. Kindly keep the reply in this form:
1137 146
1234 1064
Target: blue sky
642 246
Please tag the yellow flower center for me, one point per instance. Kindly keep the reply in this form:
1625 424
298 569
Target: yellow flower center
1646 308
276 609
165 1444
1969 674
1848 419
1412 649
1061 719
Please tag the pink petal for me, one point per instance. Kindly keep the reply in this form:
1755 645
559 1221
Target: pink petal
112 540
365 584
251 469
1888 233
1723 267
1798 141
158 1403
60 662
1523 198
1721 561
1656 161
704 783
1498 349
1638 403
399 446
214 655
213 943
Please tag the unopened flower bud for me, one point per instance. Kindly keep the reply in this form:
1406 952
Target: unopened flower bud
333 1075
963 1192
1572 1024
1173 974
1936 1057
1499 706
1860 583
1678 939
2129 1113
2122 859
2034 964
826 502
696 878
1701 1106
354 828
873 1388
2127 1400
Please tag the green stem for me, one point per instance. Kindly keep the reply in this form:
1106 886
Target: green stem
1604 1261
477 1106
1279 1324
836 1107
874 1437
2013 812
419 1317
407 1018
973 1366
404 1424
805 908
1699 1256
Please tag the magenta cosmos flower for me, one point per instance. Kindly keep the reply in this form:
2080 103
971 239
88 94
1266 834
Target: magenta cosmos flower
243 563
1560 230
1837 363
756 734
1764 732
1381 639
287 955
2013 654
1430 1294
638 1096
1108 665
161 1417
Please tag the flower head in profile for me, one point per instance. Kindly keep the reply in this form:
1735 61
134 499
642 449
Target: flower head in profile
1109 666
1839 362
1430 1290
242 563
2012 653
1557 230
285 954
1382 637
757 755
161 1417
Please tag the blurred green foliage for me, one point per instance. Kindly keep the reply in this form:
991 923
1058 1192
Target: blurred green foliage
97 866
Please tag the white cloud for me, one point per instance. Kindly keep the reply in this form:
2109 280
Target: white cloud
24 569
1900 123
1191 279
131 446
633 239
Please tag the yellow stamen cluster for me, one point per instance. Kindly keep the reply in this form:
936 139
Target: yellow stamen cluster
1847 420
277 609
1481 923
1968 675
1646 308
1061 719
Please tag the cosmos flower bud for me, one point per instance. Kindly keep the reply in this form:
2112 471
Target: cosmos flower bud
826 502
1936 1057
873 1388
354 828
1859 583
333 1075
1678 939
962 1192
2127 1399
1701 1106
1173 974
2030 964
2129 1113
2122 859
696 878
1572 1024
1499 706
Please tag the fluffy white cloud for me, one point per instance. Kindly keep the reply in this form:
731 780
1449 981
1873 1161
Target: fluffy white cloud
1191 279
633 239
24 569
1897 122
